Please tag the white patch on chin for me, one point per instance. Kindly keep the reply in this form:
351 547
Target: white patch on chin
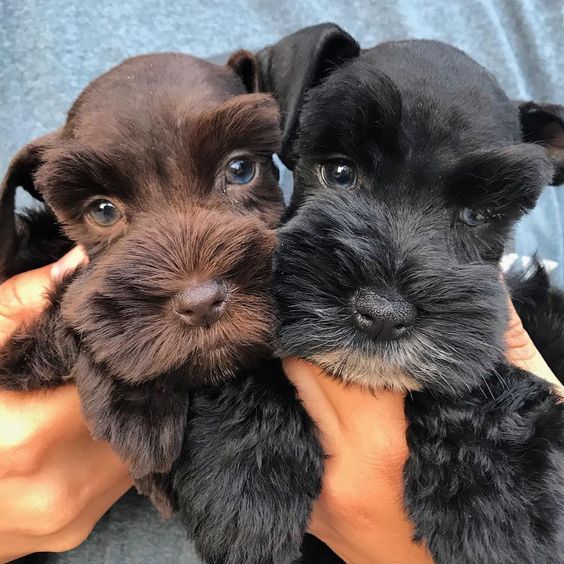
367 371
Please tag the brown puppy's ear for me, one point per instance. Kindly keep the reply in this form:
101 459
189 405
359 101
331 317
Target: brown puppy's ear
296 64
21 171
544 124
244 64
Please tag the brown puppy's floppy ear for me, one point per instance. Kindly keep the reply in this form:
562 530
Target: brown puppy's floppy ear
544 124
296 64
244 64
21 171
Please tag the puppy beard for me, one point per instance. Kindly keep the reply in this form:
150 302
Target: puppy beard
461 308
122 307
354 367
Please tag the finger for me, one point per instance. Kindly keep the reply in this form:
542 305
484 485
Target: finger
41 424
28 290
69 263
67 469
319 403
99 469
78 531
521 351
24 294
344 413
34 423
40 415
67 483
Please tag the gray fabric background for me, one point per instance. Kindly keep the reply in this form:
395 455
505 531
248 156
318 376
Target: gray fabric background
50 49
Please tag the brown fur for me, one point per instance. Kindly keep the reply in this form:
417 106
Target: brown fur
154 136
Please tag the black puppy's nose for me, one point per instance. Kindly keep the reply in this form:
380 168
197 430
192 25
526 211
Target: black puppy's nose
202 303
384 316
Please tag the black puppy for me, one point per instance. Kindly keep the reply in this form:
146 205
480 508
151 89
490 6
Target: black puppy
411 166
410 169
163 171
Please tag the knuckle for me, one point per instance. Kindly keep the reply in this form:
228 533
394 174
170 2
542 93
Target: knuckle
50 508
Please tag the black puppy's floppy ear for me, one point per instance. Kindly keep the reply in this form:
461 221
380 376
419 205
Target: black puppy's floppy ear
544 124
21 171
244 64
507 179
296 64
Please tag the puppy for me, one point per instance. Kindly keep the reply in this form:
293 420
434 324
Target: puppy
163 172
411 167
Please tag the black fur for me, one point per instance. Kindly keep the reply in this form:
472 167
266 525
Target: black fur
443 171
540 306
483 482
41 240
249 470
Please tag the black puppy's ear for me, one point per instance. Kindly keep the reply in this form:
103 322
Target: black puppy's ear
508 180
296 64
21 171
544 124
244 64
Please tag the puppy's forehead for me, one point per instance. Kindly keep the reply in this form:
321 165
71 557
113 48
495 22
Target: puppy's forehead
157 128
410 95
147 90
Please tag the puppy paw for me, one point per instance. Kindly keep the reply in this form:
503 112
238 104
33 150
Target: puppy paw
484 481
144 423
249 472
39 355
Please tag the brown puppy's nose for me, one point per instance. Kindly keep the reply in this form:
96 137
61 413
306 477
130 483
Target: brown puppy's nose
202 303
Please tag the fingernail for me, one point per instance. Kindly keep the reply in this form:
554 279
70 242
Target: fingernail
69 262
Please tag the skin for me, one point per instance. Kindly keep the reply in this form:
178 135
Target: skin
56 482
360 511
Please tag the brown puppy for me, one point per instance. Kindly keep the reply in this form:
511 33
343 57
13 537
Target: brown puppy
163 171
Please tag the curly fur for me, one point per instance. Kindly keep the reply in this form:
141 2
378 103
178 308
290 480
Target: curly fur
153 135
429 133
112 327
270 465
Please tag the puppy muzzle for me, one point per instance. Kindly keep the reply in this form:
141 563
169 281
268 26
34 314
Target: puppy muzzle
178 292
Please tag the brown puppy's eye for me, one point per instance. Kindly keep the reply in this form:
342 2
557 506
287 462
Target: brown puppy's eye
104 213
240 171
339 173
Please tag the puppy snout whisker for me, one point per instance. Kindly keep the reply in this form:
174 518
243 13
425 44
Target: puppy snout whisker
202 303
382 315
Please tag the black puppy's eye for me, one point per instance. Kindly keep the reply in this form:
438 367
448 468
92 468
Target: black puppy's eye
104 213
339 174
473 217
240 171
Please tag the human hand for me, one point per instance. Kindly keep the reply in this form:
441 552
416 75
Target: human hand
521 351
23 297
360 513
55 480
